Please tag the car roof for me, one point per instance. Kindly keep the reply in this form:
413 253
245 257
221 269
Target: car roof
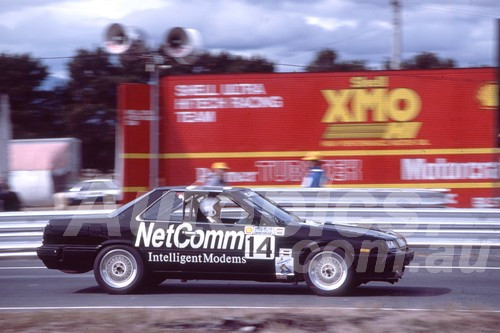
213 189
96 180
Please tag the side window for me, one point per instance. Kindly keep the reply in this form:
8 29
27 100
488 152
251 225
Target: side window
232 212
168 208
220 209
85 187
97 186
177 212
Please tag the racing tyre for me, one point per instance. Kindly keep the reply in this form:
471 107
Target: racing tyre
118 269
328 273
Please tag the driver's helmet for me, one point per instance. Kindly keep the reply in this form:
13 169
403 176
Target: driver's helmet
210 206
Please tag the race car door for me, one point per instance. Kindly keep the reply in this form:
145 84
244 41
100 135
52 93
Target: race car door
223 240
181 233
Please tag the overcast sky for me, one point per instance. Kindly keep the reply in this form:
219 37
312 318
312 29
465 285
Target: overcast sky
287 32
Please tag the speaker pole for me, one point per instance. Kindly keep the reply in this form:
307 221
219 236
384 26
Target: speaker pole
154 149
184 43
498 85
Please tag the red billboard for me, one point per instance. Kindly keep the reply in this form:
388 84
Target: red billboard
376 129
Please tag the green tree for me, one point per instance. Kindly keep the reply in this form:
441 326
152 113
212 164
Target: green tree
219 64
21 78
132 65
46 118
90 97
90 106
427 60
327 61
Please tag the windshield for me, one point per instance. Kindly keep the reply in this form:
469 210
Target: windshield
123 208
268 208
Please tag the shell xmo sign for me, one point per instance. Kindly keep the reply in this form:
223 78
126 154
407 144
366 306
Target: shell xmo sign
372 129
392 111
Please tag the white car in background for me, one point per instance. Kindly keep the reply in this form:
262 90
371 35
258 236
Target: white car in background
94 190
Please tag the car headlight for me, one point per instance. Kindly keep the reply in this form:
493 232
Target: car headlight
392 244
395 244
402 242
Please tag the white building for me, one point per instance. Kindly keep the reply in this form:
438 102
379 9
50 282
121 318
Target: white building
38 168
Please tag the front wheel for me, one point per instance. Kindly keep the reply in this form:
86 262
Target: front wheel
118 269
328 273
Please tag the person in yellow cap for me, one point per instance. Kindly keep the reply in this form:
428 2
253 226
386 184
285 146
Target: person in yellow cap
315 177
216 178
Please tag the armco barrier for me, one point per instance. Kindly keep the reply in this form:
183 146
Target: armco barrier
367 197
411 213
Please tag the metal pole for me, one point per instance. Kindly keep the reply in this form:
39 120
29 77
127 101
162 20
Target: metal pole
396 37
498 84
496 158
5 136
153 125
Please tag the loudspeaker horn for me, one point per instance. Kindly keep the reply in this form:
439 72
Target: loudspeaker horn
184 45
119 39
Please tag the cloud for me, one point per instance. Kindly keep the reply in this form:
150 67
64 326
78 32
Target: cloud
19 5
329 24
287 32
109 9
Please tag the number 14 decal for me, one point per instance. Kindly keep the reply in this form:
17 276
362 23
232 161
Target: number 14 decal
259 247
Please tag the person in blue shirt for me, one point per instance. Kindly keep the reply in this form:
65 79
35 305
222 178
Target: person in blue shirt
216 178
315 177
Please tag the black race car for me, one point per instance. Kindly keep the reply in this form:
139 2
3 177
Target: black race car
219 233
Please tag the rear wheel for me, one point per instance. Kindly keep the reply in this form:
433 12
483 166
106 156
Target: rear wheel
118 269
328 273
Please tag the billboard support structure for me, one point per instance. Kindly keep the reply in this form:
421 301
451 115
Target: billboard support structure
154 139
496 189
183 45
498 83
5 137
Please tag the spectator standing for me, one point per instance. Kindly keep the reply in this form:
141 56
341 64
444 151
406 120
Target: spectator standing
216 178
315 177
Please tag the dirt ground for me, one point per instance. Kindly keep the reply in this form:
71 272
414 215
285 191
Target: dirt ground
248 320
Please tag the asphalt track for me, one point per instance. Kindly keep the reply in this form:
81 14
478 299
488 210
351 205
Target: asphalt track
437 279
